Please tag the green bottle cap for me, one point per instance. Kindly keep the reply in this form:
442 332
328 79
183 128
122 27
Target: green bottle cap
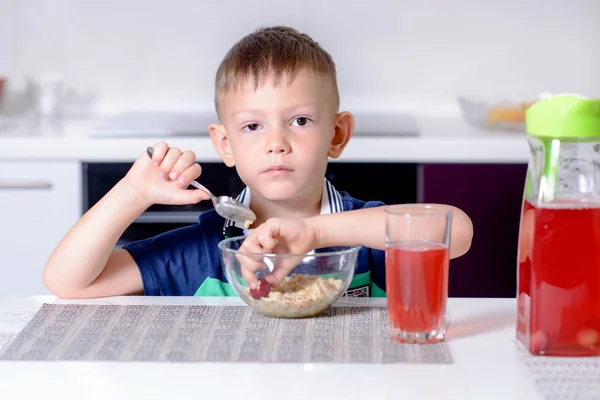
564 117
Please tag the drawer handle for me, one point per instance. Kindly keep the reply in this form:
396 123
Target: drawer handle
169 217
28 185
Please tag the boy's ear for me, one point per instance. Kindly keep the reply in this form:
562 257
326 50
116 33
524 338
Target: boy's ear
218 135
342 132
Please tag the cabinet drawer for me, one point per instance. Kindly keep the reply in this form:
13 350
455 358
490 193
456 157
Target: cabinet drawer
39 203
36 176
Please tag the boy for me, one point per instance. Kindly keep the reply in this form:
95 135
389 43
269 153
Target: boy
277 100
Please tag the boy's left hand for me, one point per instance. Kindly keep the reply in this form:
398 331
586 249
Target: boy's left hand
277 236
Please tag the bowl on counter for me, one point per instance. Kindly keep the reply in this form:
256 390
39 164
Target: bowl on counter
495 115
316 282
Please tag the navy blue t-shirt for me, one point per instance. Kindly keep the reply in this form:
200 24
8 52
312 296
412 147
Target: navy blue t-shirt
187 261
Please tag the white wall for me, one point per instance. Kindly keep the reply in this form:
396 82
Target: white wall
159 52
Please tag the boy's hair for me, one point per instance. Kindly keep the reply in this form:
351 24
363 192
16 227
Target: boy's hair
276 50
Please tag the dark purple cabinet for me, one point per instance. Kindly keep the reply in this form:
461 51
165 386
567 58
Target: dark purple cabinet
491 194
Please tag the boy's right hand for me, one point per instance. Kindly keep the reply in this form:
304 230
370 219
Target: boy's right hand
164 178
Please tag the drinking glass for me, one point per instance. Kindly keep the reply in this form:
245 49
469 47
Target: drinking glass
417 266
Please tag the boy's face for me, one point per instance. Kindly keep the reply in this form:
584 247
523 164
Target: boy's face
280 136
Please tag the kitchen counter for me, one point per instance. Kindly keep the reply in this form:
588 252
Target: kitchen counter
439 140
487 364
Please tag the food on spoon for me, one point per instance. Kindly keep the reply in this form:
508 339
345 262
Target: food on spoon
298 296
247 224
262 290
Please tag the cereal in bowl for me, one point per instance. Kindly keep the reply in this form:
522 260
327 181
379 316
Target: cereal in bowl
298 296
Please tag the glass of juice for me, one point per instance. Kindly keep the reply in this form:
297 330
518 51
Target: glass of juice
417 263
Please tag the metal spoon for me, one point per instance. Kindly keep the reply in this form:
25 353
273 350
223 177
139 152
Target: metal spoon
227 207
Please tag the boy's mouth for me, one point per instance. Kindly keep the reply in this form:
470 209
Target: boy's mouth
277 170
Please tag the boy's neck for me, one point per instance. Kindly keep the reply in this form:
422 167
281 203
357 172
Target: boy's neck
303 207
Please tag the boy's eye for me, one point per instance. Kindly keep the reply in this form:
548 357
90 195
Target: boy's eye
301 121
251 127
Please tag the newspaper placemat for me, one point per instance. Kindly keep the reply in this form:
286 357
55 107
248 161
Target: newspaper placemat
562 378
189 333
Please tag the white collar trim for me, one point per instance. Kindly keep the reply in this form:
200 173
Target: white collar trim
331 202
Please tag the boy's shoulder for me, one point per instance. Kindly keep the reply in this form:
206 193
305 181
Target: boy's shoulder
351 203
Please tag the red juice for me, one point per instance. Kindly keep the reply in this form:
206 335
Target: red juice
417 286
559 280
524 273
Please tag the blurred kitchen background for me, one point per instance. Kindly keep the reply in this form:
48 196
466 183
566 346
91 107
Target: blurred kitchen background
439 89
151 53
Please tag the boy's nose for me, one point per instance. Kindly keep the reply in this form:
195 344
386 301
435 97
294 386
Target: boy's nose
277 143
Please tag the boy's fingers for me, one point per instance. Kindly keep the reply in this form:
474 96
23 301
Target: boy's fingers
249 277
250 263
266 240
189 175
265 237
249 267
181 197
282 270
185 161
262 240
159 150
169 161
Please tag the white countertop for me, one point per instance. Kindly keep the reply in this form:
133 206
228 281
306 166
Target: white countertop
439 140
487 364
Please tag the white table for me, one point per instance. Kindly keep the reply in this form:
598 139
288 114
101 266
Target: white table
486 365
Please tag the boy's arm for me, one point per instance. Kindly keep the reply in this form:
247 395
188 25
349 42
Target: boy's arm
85 264
367 227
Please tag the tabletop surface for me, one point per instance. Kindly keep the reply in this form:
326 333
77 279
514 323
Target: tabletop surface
487 363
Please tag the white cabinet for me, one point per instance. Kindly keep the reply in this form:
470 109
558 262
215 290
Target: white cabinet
39 203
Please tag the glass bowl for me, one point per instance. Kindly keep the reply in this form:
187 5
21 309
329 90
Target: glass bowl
316 282
495 115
